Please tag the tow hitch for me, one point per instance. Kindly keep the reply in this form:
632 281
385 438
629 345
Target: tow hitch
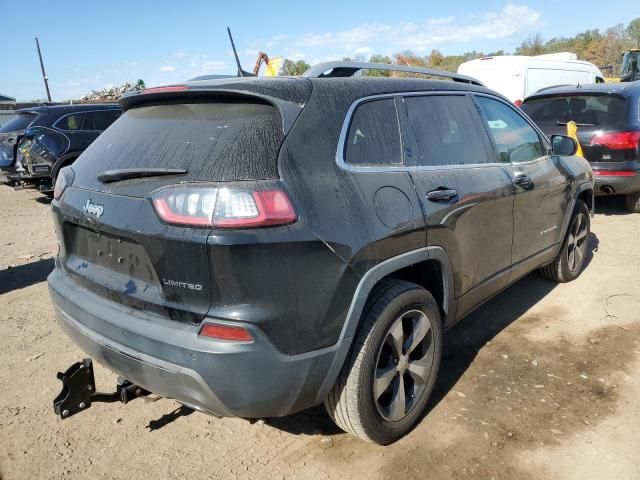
79 390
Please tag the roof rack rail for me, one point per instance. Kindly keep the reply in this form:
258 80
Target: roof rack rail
348 69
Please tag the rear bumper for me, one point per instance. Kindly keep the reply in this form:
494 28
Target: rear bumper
166 357
619 185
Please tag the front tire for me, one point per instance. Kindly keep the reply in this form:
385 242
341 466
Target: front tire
633 202
569 262
385 384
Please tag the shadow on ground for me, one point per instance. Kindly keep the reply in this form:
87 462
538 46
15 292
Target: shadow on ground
461 346
21 276
167 418
613 205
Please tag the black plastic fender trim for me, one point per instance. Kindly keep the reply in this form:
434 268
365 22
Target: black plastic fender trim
366 285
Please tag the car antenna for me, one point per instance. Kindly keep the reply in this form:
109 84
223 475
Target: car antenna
44 74
241 72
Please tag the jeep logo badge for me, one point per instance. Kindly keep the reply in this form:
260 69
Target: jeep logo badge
93 208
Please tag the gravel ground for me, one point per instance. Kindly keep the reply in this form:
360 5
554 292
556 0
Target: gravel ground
541 382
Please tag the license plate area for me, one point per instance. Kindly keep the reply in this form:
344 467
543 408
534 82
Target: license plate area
118 254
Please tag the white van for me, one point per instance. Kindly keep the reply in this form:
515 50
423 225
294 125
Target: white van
516 76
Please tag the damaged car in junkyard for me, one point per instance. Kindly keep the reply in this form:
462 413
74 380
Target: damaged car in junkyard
41 140
254 247
10 134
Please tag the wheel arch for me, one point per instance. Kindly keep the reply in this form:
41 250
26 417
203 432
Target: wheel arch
402 266
63 162
429 267
585 193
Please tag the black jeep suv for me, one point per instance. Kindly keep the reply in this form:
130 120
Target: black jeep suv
252 247
608 119
36 144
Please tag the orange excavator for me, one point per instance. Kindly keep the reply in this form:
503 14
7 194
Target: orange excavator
262 57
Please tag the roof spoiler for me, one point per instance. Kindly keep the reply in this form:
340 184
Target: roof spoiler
348 69
289 111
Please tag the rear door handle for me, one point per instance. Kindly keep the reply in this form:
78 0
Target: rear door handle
441 194
523 181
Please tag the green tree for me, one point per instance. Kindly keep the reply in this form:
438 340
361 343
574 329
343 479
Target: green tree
293 69
377 58
633 32
436 59
534 45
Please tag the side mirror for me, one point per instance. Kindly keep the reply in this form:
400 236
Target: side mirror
563 145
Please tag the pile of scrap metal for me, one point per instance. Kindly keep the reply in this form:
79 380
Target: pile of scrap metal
113 93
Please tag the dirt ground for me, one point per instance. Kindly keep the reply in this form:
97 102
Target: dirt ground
541 382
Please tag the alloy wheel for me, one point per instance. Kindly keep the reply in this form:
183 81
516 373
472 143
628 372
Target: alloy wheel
403 365
577 242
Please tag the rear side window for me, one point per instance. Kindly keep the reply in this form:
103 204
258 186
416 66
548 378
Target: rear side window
374 134
447 130
100 120
515 139
21 122
212 141
70 122
587 110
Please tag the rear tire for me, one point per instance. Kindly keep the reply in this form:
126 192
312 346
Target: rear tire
568 264
387 379
633 202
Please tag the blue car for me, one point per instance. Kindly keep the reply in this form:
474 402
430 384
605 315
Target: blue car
41 140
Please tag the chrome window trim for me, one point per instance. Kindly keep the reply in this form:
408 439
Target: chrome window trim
345 130
359 168
55 125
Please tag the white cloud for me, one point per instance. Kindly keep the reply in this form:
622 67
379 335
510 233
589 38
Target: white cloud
278 38
167 68
358 35
363 51
213 65
512 19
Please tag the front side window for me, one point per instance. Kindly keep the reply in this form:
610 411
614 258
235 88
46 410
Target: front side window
447 130
71 122
515 139
374 135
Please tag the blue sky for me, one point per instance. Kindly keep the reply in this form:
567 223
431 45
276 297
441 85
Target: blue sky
90 45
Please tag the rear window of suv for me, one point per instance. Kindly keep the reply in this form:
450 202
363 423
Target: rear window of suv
591 110
218 141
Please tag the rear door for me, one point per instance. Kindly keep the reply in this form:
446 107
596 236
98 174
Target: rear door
82 128
94 124
114 242
466 196
542 185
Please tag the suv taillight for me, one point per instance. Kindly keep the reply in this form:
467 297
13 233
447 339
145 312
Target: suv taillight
617 140
226 207
64 179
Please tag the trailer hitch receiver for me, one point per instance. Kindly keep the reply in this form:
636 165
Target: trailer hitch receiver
79 390
78 386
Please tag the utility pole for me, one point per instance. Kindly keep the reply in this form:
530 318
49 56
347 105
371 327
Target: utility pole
44 75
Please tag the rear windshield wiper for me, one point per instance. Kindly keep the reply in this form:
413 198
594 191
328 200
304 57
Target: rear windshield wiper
109 176
578 124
